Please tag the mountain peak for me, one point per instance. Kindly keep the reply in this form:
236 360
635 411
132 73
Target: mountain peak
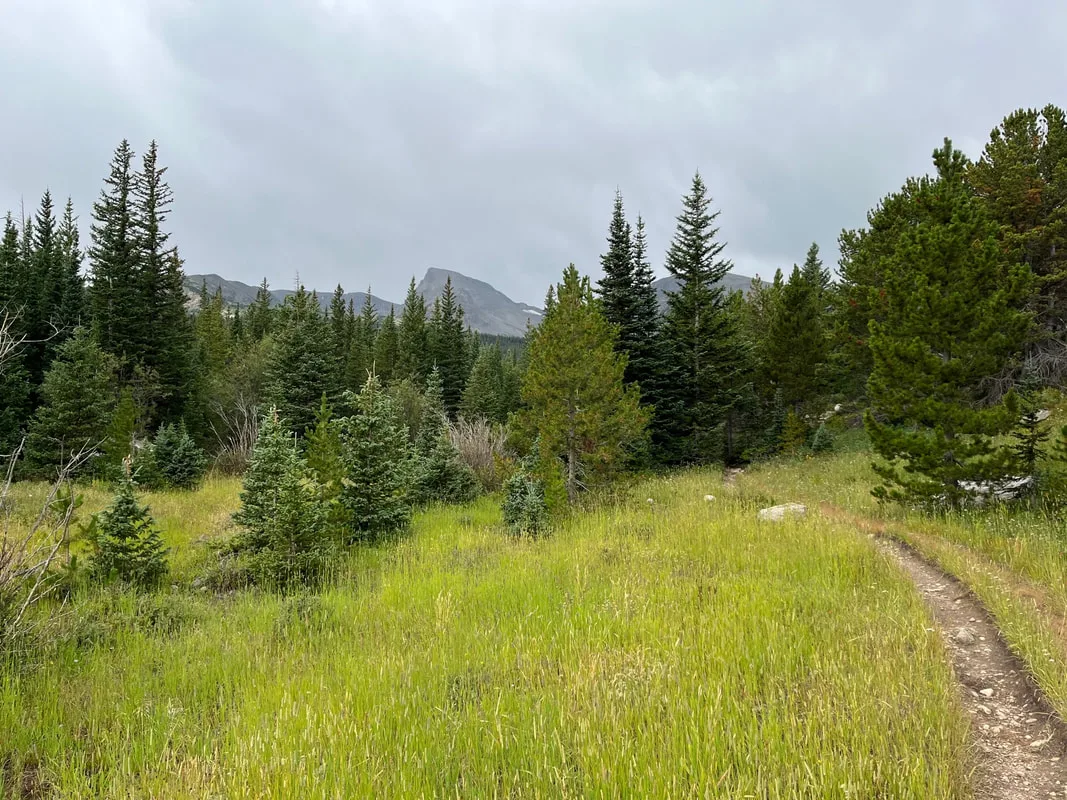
486 309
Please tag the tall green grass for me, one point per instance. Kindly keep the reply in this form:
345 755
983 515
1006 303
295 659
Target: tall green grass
668 649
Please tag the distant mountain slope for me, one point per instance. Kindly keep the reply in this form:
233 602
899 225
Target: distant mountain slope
486 309
730 280
235 293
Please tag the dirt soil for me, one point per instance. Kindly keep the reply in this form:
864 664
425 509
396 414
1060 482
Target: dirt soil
1020 745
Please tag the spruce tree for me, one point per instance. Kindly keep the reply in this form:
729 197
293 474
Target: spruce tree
385 348
448 347
301 365
127 545
114 257
952 322
377 461
616 288
275 453
70 309
260 314
10 277
340 329
702 355
178 460
795 347
78 400
412 357
578 409
323 456
817 276
483 395
361 353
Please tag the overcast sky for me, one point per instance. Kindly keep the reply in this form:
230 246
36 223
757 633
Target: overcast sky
363 141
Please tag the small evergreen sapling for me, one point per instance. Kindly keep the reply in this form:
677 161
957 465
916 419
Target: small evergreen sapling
377 461
823 441
440 473
178 460
525 510
127 545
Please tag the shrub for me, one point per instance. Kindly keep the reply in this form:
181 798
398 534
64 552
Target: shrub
179 461
525 511
126 544
482 446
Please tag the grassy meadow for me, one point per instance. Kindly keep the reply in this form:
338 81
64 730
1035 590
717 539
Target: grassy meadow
676 648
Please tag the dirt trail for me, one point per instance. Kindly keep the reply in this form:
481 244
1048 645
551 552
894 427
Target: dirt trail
1021 745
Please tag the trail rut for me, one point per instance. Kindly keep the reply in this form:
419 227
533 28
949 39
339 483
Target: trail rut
1020 744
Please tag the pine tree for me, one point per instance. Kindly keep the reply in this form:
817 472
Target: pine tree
701 344
412 357
376 455
10 277
578 408
795 347
301 365
114 256
448 347
78 401
324 451
952 321
1021 180
385 348
127 545
434 417
340 329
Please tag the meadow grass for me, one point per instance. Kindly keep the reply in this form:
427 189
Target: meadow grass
1014 559
671 649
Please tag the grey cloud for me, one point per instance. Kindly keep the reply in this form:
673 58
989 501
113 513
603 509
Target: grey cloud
362 141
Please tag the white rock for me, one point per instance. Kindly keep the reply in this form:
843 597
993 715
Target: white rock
650 501
779 513
837 409
986 693
964 636
709 498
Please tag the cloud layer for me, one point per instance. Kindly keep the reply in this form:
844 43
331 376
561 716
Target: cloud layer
362 141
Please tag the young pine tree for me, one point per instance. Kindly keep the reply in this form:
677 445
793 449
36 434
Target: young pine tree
377 462
177 459
577 406
953 320
126 544
448 347
78 401
439 473
794 348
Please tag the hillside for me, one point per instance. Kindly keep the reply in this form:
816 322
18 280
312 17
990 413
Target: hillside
732 281
235 293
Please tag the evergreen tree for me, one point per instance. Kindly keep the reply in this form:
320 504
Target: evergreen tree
578 408
616 288
275 454
795 345
78 401
114 257
483 395
701 344
10 277
324 459
340 330
127 546
70 306
14 401
361 354
1021 180
282 511
260 314
816 275
178 460
434 417
448 347
376 455
118 445
412 357
385 348
952 321
301 364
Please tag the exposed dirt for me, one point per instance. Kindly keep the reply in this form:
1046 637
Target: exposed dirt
1020 744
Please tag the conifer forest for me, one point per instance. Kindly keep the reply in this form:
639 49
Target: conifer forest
804 539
